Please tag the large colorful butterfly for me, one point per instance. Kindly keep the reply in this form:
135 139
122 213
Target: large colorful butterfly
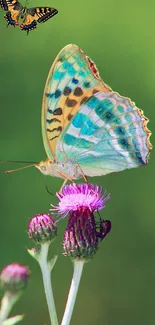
30 16
88 129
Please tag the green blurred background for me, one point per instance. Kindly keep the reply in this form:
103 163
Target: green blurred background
118 285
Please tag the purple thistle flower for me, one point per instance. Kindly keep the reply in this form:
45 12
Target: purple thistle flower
42 228
80 196
83 233
14 277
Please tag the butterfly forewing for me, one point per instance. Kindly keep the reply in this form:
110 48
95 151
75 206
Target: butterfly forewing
41 14
9 5
72 79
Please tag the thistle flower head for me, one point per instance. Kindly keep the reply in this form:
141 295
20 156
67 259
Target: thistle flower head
75 197
14 277
42 228
83 233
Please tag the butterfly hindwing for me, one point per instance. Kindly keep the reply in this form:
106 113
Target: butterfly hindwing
12 18
107 134
13 8
73 79
34 15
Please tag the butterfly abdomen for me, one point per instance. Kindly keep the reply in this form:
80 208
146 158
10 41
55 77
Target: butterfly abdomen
65 169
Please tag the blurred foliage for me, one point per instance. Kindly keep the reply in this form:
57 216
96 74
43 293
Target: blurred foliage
118 286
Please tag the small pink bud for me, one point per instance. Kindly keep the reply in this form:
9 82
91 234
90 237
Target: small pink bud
14 277
42 228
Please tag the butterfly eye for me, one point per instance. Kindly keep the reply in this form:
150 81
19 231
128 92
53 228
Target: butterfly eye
43 168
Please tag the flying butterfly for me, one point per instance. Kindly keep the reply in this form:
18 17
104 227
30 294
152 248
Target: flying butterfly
30 16
88 129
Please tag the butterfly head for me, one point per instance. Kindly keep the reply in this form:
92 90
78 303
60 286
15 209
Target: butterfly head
44 167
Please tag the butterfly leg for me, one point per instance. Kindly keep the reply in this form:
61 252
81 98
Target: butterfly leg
65 176
63 184
82 173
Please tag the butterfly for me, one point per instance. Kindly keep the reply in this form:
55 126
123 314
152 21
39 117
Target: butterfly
88 129
30 16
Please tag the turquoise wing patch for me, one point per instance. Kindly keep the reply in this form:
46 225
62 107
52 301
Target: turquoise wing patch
108 134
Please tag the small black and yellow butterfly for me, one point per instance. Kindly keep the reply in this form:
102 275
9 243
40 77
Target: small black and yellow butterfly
30 16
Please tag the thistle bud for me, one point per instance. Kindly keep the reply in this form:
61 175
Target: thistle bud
42 228
14 277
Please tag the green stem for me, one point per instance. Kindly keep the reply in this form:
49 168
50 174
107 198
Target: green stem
7 303
46 274
78 268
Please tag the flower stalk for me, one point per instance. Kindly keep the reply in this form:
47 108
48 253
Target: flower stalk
83 233
13 280
8 301
42 229
46 275
78 268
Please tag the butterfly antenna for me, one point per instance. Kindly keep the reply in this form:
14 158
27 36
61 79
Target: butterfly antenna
15 170
26 3
19 161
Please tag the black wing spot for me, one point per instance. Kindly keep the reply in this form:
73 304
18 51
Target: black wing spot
50 95
86 84
71 102
57 93
52 120
120 130
95 91
59 128
57 111
70 116
75 81
124 144
67 91
78 92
